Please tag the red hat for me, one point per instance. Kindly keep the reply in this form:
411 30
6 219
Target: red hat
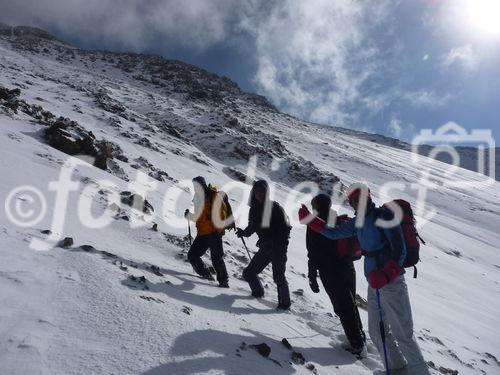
355 190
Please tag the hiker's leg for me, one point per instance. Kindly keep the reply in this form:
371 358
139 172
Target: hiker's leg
197 249
394 356
217 255
279 268
351 279
336 283
259 261
396 305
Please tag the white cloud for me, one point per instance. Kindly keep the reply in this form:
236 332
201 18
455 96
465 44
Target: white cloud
426 98
463 55
397 129
322 60
129 24
313 57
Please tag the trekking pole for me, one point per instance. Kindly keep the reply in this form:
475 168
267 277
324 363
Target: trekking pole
382 333
189 232
246 248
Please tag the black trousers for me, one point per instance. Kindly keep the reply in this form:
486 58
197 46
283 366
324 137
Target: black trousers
340 285
274 253
199 246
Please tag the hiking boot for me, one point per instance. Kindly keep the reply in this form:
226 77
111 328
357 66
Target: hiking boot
358 351
257 294
283 297
398 371
283 306
223 284
208 276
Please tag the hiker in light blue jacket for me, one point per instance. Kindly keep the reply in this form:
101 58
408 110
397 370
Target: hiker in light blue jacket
384 250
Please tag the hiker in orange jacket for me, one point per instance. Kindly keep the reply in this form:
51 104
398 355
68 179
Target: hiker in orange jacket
210 213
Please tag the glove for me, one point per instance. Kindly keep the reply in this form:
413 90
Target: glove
186 213
313 284
380 278
316 224
303 213
240 233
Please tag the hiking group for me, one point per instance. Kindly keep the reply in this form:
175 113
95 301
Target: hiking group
385 236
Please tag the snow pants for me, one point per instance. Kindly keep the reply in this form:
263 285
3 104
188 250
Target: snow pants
402 348
340 285
200 245
275 254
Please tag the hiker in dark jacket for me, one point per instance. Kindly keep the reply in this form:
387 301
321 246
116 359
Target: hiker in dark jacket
268 219
337 275
385 251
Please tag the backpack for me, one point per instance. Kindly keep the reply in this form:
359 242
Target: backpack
349 248
213 194
411 237
229 211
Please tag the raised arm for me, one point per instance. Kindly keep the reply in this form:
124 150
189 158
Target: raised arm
346 230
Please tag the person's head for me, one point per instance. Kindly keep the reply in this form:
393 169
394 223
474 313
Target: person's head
260 191
356 192
200 185
322 204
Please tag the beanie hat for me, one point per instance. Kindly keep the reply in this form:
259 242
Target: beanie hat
200 180
356 189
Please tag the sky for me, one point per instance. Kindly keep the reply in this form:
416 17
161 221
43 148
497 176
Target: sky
392 67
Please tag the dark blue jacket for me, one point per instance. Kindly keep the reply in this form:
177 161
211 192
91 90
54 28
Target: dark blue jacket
372 238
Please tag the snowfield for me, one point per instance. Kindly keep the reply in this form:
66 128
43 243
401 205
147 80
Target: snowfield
123 300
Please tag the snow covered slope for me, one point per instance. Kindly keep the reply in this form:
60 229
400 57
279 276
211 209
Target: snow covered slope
122 300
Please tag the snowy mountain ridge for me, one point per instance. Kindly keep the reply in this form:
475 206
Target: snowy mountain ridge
122 300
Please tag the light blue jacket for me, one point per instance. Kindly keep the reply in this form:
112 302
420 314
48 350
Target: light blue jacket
373 238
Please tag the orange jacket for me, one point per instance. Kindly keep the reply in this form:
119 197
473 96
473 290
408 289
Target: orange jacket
205 223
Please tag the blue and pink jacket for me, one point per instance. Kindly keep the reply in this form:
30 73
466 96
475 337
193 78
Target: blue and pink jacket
387 243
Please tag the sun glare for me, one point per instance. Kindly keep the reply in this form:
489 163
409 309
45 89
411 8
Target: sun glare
483 16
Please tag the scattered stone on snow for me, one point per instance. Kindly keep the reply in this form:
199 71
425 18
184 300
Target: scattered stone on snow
263 349
286 343
298 358
66 242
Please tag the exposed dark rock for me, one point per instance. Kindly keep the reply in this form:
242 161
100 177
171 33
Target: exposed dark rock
26 32
155 270
233 122
237 175
104 101
263 349
137 202
66 242
298 358
311 368
448 371
286 343
69 137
